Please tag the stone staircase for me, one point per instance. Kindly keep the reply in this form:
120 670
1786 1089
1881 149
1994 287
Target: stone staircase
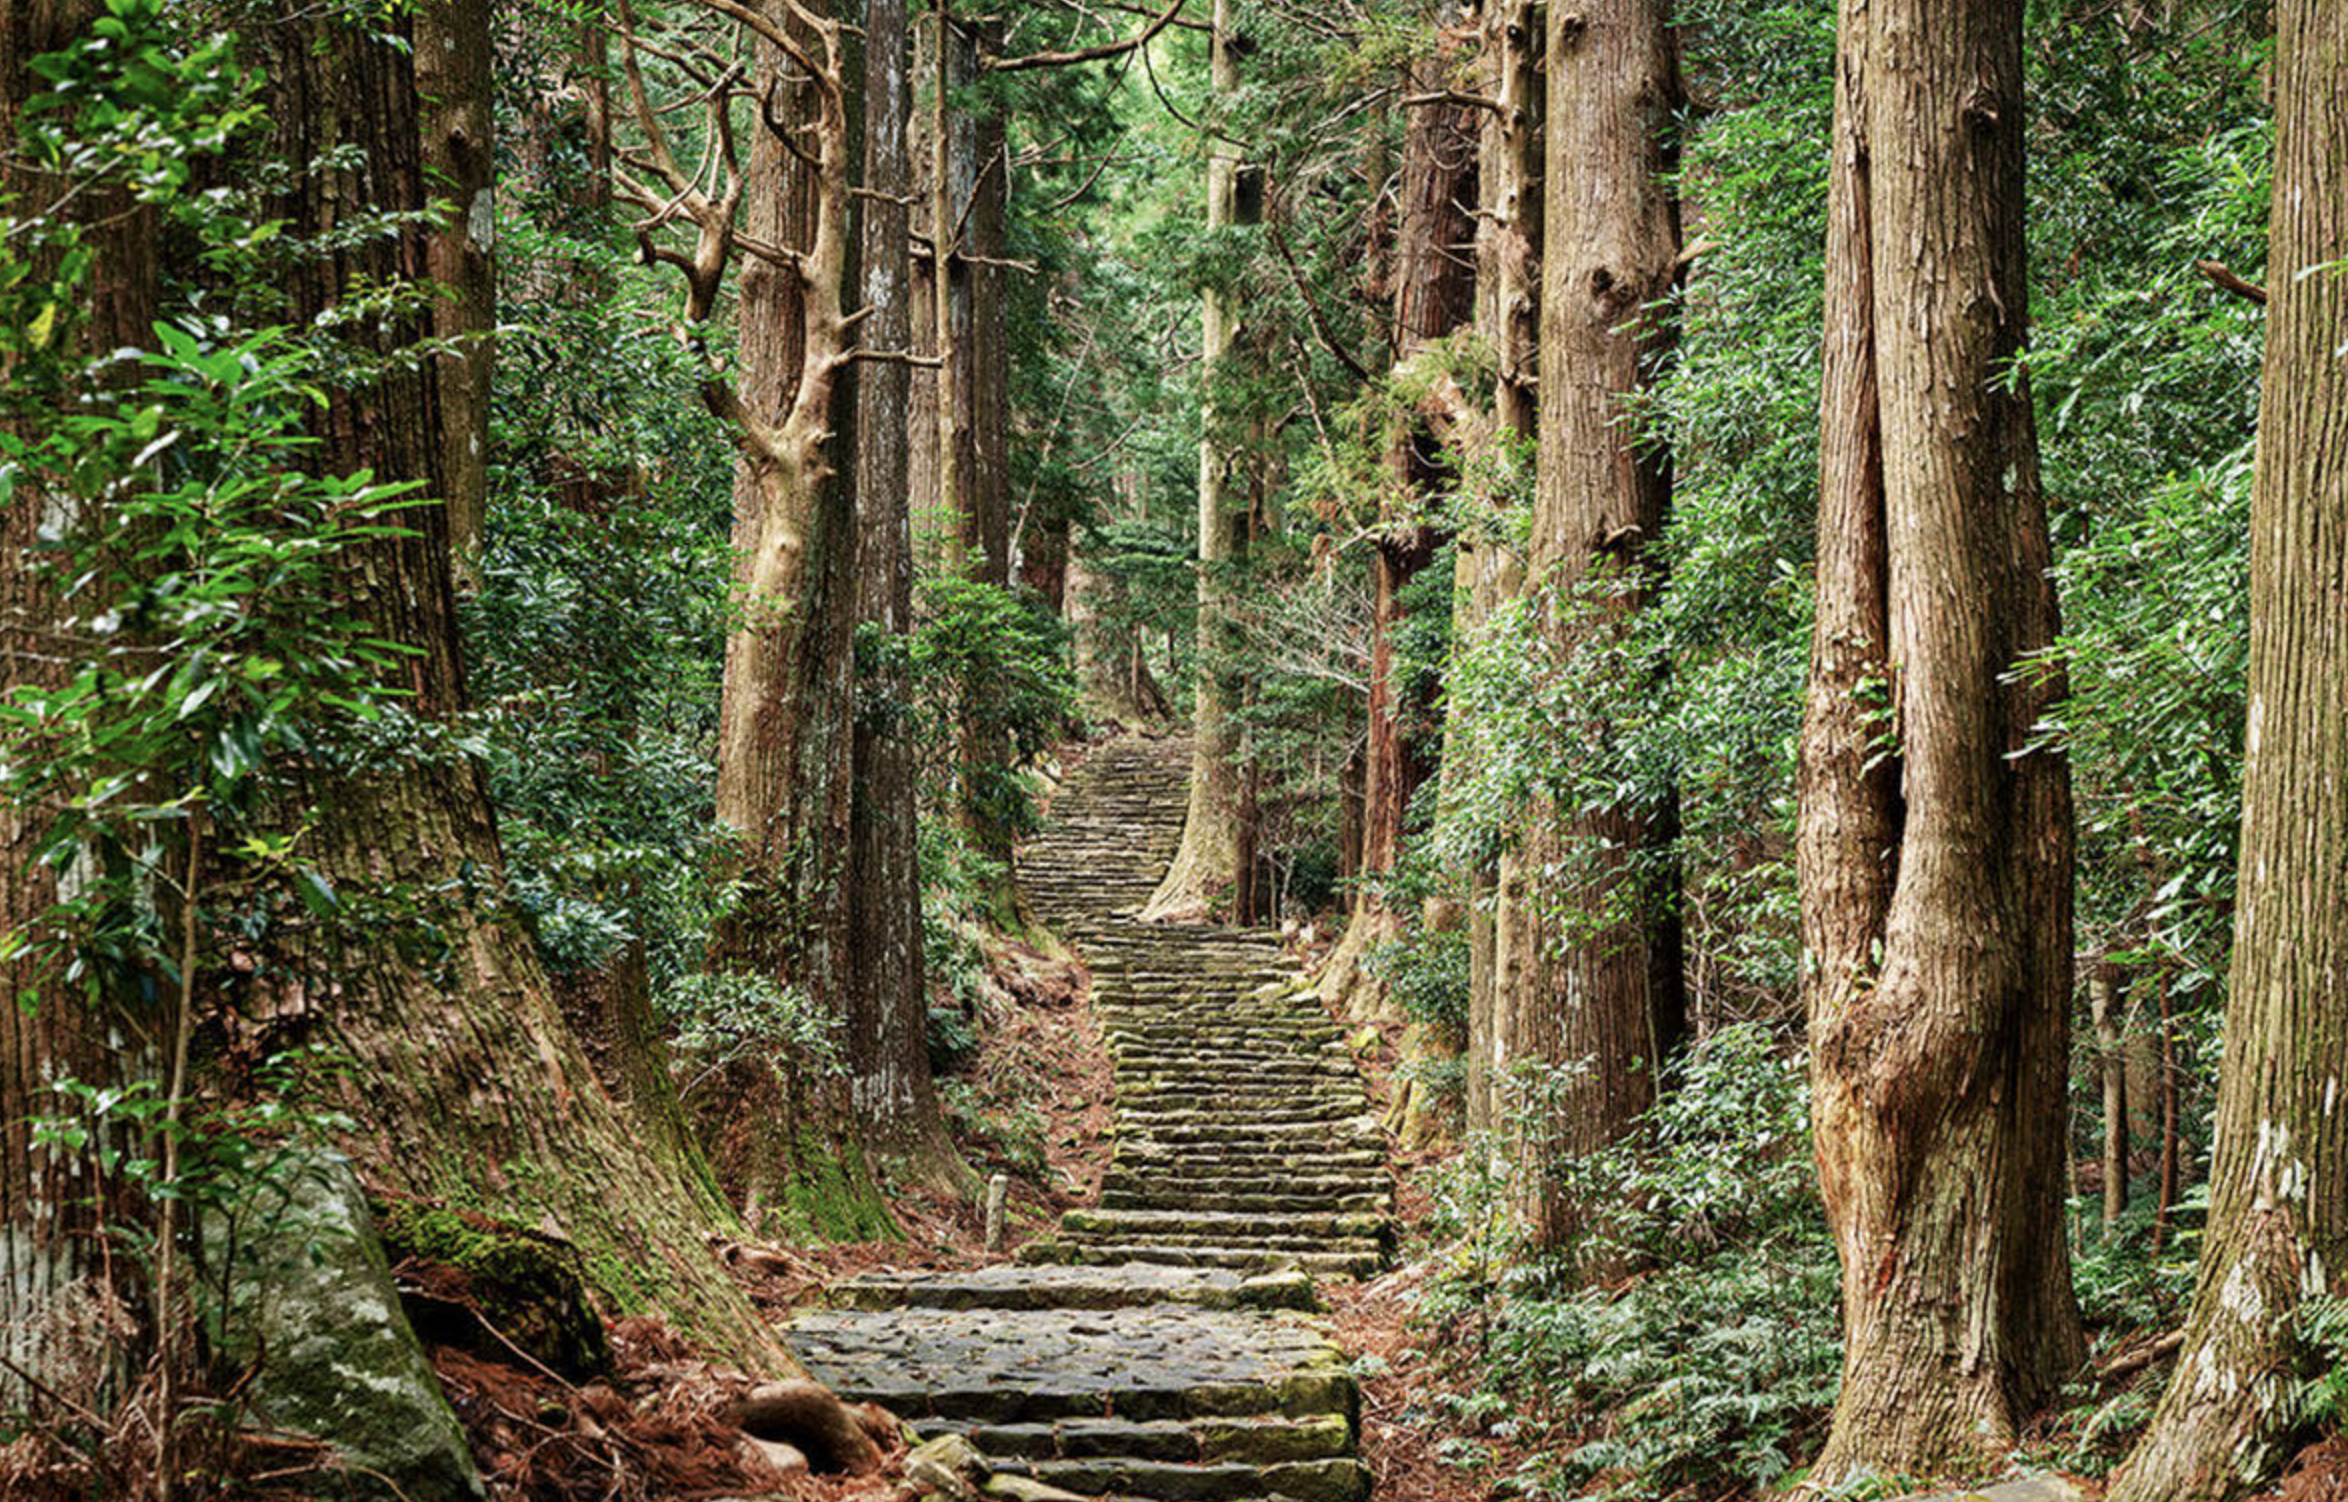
1162 1345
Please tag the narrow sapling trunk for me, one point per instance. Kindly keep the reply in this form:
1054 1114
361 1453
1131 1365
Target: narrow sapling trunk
2111 1067
1934 841
2278 1204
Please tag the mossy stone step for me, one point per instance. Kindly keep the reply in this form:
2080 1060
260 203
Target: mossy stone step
1236 1226
1138 1155
1362 1202
1341 1480
1360 1264
1040 1366
1284 1181
1244 1441
1129 1286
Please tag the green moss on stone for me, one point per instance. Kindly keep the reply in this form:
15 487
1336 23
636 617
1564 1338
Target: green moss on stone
527 1288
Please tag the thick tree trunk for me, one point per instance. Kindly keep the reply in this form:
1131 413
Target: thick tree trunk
1206 863
1508 307
460 166
1934 857
1434 294
888 1011
467 1085
69 1312
1577 983
2278 1212
785 737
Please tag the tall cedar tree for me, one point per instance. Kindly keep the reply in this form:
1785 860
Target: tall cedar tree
1508 318
466 1080
2278 1207
59 1305
1205 868
1434 294
1587 981
1934 845
785 713
895 1101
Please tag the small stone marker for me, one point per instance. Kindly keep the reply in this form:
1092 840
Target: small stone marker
998 1189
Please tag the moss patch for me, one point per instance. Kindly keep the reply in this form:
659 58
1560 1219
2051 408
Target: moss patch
479 1283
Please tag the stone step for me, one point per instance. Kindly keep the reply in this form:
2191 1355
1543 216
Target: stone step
1141 1156
1360 1181
1009 1366
1244 1441
1207 1241
1226 1085
1353 1132
1290 1229
1326 1480
1351 1264
1161 1197
1195 1066
1130 1286
1230 1101
1147 1121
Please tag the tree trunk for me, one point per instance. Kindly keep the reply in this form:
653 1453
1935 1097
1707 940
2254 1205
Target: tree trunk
1575 972
1508 304
888 1011
1934 857
1434 294
2278 1211
68 1311
2111 1064
460 165
786 708
986 397
1206 863
467 1086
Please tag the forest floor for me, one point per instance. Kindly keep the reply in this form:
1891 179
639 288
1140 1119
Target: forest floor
1033 1105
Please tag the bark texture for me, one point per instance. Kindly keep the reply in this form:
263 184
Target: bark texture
895 1102
1578 983
1508 307
1205 867
1434 294
67 1316
472 1082
785 741
1934 858
2278 1211
460 166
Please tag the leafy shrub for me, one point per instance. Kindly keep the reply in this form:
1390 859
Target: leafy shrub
1717 1365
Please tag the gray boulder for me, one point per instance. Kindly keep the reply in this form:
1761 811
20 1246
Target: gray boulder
298 1284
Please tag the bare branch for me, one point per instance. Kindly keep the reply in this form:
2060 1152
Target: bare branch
1452 96
1089 54
2239 286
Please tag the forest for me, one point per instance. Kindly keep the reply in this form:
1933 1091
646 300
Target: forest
1223 751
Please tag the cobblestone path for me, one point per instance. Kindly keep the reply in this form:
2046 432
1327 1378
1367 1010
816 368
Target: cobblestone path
1163 1344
